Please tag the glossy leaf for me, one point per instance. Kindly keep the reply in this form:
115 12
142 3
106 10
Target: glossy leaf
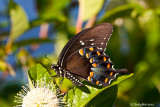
38 73
32 41
121 11
60 42
51 9
19 24
86 96
49 19
105 98
19 20
90 8
3 65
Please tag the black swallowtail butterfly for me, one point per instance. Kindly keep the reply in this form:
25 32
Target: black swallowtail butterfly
83 56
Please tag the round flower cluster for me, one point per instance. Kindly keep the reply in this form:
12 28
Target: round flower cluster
41 95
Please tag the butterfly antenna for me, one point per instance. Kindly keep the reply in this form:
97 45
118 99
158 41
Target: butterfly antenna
41 60
48 59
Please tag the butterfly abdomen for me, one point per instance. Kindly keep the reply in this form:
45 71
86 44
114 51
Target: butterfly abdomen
73 78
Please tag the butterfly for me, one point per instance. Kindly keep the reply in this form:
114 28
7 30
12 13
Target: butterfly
83 56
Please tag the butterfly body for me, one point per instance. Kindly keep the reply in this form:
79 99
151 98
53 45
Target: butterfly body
63 73
83 56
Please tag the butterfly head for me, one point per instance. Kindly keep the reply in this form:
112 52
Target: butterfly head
53 67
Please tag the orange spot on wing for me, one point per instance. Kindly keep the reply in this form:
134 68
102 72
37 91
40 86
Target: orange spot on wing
94 65
91 49
89 78
108 65
81 52
91 74
87 55
98 53
111 73
106 80
104 59
97 82
91 60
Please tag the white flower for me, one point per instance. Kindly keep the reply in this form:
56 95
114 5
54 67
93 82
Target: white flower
39 96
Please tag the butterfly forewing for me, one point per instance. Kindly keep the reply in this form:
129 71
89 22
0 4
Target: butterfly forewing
94 36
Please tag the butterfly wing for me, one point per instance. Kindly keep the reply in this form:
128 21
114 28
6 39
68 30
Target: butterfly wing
88 37
84 55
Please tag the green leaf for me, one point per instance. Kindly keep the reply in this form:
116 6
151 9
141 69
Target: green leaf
110 96
56 19
60 41
19 20
52 10
120 11
91 95
3 65
38 73
19 24
90 8
32 41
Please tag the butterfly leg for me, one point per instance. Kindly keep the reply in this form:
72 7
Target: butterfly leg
60 84
54 76
61 81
